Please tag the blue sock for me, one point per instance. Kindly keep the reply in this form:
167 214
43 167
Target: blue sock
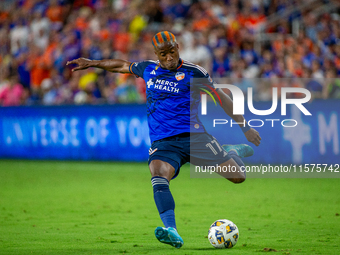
237 159
164 201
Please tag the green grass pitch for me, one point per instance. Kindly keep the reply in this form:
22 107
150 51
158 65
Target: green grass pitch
107 208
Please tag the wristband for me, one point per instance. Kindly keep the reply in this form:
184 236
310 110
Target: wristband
245 128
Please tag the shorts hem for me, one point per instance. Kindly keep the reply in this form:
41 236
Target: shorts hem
225 159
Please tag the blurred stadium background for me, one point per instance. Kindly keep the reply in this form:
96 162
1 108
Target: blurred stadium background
258 44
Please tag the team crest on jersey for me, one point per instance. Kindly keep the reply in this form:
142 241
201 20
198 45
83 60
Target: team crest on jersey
180 76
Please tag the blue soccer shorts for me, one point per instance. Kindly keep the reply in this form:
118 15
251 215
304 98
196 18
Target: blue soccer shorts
200 149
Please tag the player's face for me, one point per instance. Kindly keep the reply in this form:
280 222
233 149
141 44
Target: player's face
168 55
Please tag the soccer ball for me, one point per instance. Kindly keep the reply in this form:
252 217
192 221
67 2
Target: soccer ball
223 234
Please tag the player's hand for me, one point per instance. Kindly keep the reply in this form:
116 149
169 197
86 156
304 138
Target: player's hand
253 136
82 63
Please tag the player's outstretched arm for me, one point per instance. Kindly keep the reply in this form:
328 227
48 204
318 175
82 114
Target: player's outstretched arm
111 65
227 104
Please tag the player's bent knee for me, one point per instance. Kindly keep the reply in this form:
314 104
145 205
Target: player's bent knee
162 169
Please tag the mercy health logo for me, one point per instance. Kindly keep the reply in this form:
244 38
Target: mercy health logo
239 102
165 85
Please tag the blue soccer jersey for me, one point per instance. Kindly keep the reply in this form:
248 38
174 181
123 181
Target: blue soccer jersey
172 101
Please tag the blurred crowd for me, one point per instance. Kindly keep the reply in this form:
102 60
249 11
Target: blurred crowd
38 37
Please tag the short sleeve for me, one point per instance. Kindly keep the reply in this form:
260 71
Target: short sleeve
202 79
137 68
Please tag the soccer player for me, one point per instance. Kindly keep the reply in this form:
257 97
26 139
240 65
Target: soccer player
177 135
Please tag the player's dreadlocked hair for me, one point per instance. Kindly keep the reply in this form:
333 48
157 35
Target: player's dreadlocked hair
163 37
